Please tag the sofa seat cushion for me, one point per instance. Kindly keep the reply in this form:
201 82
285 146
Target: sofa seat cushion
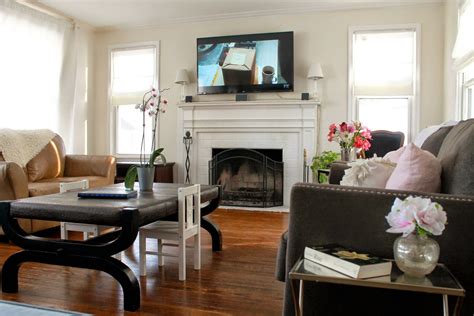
51 186
457 159
280 271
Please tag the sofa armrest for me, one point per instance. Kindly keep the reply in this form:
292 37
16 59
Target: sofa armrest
337 171
355 217
90 165
13 181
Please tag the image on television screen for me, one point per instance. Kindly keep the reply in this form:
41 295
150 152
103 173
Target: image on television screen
244 65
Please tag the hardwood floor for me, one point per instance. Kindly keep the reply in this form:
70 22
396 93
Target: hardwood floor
236 281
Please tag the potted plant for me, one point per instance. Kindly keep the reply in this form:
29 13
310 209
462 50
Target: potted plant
323 161
151 105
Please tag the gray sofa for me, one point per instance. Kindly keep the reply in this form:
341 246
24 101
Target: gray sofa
355 217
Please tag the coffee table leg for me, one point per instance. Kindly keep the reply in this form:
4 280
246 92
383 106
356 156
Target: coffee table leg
297 300
118 270
215 232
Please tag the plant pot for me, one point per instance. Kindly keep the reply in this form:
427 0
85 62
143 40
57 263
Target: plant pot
416 255
146 176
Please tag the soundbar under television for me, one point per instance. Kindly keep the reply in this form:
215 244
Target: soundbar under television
245 63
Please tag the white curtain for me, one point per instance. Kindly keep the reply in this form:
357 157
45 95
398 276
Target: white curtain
463 50
38 76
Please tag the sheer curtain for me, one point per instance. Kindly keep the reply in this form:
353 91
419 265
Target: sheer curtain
38 77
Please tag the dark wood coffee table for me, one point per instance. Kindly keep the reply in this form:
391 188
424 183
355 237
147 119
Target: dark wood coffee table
95 253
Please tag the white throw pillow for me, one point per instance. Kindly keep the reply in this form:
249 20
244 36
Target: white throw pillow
371 173
428 131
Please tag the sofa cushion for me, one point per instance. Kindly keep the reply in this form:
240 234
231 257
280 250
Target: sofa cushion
457 159
416 170
434 142
49 163
51 186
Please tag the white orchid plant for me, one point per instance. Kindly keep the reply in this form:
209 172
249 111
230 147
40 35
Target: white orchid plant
416 215
152 105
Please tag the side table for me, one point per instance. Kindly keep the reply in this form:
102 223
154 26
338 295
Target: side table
440 281
163 172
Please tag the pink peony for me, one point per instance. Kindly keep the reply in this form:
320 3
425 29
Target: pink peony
343 127
416 213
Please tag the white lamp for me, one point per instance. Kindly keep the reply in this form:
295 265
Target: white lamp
315 73
182 79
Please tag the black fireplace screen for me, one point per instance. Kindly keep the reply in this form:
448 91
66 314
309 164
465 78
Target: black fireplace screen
249 177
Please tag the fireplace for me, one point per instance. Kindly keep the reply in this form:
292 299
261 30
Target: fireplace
249 177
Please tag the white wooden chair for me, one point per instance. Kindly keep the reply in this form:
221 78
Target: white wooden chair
188 225
86 229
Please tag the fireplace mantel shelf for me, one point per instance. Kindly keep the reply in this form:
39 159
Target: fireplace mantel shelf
276 102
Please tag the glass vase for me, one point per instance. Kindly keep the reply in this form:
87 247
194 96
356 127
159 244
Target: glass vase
146 177
347 154
416 255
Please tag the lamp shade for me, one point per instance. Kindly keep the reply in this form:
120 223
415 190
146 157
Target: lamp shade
315 72
182 77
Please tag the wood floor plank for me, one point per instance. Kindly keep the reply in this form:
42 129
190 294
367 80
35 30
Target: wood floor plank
236 281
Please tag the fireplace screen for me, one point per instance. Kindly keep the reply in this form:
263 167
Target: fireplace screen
249 177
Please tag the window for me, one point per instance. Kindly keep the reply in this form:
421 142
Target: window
31 66
133 71
463 54
466 80
382 78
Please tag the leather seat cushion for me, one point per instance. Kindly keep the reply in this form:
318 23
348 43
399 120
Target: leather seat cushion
51 186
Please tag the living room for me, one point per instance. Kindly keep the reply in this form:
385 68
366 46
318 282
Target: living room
402 66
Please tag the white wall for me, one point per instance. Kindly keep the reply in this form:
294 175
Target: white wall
319 37
450 80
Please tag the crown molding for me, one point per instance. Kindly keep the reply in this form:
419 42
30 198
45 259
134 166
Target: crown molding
321 7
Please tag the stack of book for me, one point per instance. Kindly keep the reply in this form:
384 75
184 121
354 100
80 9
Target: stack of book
348 261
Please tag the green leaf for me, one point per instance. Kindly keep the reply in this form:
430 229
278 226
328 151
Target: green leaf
130 177
157 153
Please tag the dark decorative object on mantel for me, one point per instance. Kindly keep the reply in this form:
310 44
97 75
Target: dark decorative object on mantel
187 141
188 98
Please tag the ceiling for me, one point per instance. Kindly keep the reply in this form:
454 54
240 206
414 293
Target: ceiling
106 14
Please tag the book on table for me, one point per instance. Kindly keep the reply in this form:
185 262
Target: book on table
107 193
350 262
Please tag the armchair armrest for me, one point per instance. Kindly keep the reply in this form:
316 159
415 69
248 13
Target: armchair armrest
355 217
13 181
90 165
337 170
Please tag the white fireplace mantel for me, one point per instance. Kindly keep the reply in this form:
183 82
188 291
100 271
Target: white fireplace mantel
289 125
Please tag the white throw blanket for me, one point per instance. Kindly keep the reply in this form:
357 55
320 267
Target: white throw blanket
20 146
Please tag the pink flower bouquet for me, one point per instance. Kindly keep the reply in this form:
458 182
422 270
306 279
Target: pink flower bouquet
416 215
350 135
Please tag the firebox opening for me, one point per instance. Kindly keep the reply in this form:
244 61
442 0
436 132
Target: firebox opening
249 177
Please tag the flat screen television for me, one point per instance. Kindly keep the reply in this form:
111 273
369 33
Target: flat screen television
245 63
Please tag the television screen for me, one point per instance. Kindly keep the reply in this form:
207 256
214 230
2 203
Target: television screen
245 63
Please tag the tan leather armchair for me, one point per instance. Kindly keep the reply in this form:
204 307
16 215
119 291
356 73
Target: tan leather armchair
43 174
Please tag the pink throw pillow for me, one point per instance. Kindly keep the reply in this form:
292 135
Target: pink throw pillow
416 170
394 156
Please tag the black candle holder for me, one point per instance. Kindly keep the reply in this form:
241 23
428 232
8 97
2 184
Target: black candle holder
187 141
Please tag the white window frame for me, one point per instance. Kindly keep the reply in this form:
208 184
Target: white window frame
414 101
463 110
112 113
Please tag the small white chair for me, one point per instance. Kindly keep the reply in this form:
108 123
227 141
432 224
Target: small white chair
86 229
188 225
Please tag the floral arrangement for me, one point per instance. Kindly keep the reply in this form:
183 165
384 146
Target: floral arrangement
416 215
152 105
350 135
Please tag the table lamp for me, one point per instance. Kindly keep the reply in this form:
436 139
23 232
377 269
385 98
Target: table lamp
315 73
182 79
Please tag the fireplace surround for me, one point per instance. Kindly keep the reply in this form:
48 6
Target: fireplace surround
289 125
